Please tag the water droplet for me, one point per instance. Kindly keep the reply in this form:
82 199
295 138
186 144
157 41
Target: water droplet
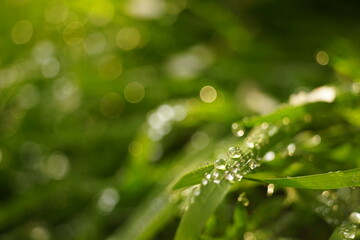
355 217
250 144
204 181
237 130
253 164
291 149
235 152
238 177
347 230
243 199
269 156
217 181
220 164
208 176
197 192
270 190
230 177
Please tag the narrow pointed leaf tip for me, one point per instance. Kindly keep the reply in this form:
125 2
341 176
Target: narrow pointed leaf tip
331 180
193 177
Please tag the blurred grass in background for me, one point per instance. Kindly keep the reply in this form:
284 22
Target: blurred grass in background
104 102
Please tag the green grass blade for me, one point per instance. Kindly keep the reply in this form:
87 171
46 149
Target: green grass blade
331 180
193 177
292 112
203 206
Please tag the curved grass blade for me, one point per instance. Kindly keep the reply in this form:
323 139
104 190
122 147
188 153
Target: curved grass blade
331 180
202 208
193 177
293 112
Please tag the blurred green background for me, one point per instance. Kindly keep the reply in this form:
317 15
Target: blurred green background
100 99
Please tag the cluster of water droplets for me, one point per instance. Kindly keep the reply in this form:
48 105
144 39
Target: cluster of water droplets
241 161
339 207
348 228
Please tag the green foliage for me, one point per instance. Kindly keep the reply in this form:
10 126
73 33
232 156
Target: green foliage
158 119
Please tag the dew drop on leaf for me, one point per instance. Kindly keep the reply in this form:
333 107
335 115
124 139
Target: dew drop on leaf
204 181
270 190
234 152
229 176
250 144
347 230
291 149
217 181
355 217
253 164
237 130
269 156
220 164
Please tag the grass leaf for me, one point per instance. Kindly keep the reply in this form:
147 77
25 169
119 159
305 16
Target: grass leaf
201 209
193 177
331 180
